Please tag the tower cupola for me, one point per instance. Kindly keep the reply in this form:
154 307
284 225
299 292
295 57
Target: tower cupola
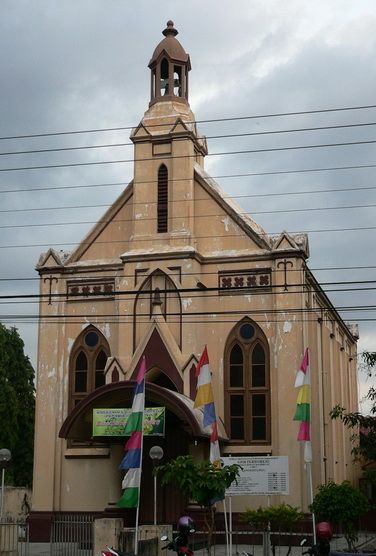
169 67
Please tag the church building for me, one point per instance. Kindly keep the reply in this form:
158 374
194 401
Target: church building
173 266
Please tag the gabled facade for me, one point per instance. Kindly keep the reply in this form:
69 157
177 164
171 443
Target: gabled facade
172 266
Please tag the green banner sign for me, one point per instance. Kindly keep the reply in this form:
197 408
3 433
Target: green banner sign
111 422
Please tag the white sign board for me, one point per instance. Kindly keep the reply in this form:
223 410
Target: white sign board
259 475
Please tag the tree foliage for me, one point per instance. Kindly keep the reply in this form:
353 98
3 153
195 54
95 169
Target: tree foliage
363 427
203 482
342 504
17 406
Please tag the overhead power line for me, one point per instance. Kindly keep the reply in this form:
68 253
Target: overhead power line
123 220
127 319
183 156
247 290
249 174
224 136
287 311
250 196
125 241
201 273
212 120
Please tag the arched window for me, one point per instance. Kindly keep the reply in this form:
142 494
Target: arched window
87 364
247 385
162 203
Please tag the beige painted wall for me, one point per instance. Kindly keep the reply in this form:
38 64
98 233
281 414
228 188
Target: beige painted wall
206 235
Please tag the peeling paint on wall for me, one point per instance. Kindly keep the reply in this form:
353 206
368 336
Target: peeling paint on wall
226 222
70 344
287 326
105 329
186 302
221 370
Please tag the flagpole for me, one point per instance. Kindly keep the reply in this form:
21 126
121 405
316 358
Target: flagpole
139 492
309 470
230 520
139 489
226 526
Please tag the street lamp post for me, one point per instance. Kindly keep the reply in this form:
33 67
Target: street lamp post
156 454
5 456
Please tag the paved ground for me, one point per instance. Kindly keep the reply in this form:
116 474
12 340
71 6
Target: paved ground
365 543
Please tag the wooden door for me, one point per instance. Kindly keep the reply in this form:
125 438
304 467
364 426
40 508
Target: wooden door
170 504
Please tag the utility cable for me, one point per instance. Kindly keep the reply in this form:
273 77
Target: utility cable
249 174
211 120
129 319
246 290
125 241
184 156
251 196
224 136
215 215
212 314
201 273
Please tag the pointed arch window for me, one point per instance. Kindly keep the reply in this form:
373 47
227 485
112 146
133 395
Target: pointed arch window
162 202
87 363
247 384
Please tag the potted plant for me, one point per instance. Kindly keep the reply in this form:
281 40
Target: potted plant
341 504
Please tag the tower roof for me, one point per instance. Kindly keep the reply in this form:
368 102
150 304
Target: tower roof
171 46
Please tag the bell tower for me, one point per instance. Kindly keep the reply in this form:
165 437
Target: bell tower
169 67
166 148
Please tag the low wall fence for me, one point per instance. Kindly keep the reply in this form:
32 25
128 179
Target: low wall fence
14 538
72 535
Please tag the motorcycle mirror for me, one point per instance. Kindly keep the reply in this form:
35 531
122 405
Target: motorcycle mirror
164 538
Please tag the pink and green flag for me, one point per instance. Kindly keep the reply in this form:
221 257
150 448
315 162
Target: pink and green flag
303 407
133 458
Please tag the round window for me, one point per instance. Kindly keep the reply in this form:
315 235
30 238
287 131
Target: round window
91 339
247 331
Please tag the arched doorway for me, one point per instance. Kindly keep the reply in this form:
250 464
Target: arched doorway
183 427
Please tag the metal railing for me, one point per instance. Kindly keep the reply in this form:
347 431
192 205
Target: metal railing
72 535
14 538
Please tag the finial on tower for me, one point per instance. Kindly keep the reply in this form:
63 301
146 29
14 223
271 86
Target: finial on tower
170 29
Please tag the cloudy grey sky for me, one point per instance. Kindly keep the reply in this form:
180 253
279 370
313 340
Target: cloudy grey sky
82 64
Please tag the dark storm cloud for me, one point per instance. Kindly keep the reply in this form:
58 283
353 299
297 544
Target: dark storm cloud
83 64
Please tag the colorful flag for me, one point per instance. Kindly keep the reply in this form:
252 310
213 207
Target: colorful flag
205 398
133 458
303 408
215 454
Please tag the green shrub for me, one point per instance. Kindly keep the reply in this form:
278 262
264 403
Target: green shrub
342 504
281 518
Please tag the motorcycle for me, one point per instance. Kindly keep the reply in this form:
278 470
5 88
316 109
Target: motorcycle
324 536
321 548
115 552
180 543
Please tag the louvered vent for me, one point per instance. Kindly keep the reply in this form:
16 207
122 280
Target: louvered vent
162 199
